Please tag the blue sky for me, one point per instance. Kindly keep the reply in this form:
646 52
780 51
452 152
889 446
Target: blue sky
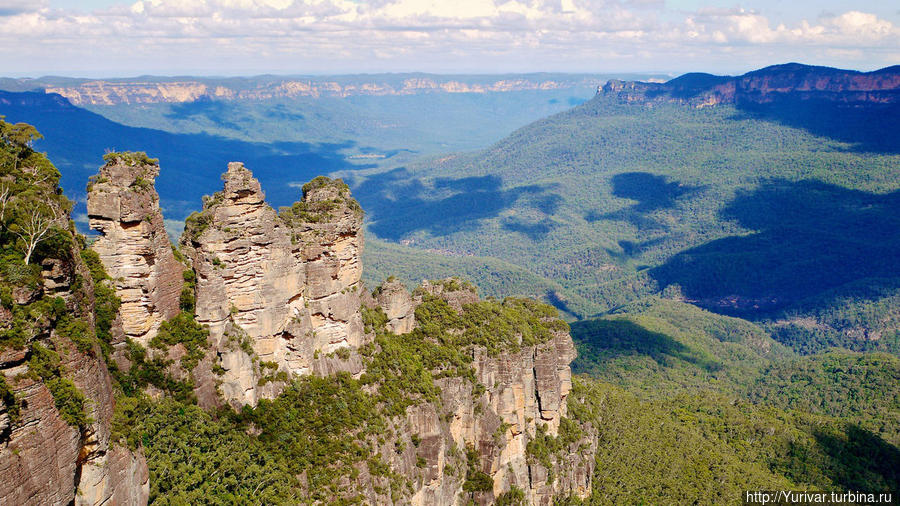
108 38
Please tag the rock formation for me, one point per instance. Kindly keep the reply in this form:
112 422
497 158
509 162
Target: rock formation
791 81
397 304
44 457
524 396
280 293
110 92
275 290
133 246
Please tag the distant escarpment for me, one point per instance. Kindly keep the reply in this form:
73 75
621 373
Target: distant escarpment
430 397
175 90
770 85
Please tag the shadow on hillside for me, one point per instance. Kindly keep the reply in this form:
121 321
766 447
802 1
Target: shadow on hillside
400 203
651 193
810 237
863 462
601 340
191 164
215 111
872 128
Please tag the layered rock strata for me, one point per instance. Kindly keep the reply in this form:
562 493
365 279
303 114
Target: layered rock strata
525 395
45 459
398 305
123 206
773 84
275 290
280 293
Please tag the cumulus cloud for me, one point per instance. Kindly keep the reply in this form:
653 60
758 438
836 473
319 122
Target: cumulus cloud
487 35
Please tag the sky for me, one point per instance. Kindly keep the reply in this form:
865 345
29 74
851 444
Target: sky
115 38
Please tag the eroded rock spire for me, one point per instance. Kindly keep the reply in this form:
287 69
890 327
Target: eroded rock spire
124 207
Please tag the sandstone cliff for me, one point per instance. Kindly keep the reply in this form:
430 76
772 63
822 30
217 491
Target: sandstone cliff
495 428
791 81
123 206
275 290
121 91
57 409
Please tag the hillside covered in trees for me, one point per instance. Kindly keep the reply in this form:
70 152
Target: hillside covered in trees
783 213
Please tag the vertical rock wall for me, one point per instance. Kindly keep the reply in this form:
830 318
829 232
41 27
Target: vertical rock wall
280 291
133 246
43 458
523 390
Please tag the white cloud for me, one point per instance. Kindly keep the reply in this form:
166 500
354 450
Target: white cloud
297 35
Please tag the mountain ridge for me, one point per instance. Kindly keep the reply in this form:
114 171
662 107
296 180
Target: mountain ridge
179 89
767 85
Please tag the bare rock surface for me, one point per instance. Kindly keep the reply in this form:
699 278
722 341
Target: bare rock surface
396 302
275 289
133 246
524 398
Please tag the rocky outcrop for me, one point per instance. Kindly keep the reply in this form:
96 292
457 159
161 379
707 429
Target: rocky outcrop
773 84
275 291
393 298
45 456
524 399
280 293
133 246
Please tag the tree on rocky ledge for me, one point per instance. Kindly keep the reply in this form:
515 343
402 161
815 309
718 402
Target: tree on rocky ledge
36 224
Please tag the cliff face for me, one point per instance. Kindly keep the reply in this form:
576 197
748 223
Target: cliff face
769 85
133 246
275 290
48 453
138 92
523 400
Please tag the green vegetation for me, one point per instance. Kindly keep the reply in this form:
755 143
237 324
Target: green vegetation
755 219
306 211
322 181
184 330
515 497
10 404
544 448
149 370
496 278
320 429
861 316
662 346
187 299
44 365
320 426
709 449
611 202
132 158
196 458
34 228
476 479
106 303
861 388
196 223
